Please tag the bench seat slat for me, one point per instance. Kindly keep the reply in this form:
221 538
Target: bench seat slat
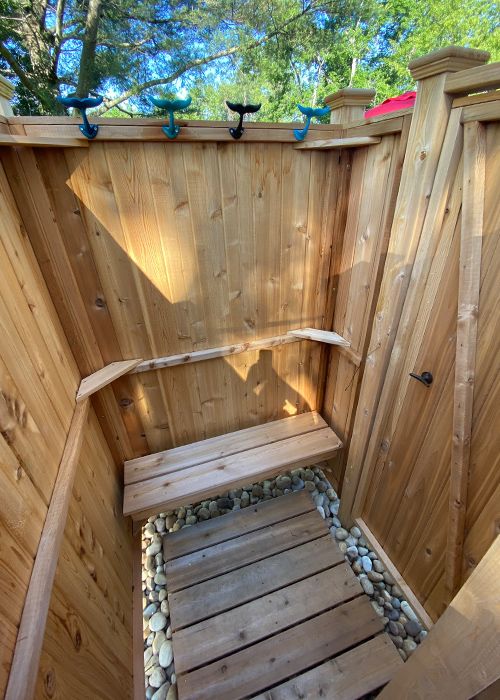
193 484
178 458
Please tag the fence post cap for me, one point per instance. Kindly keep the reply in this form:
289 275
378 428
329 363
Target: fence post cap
359 97
450 59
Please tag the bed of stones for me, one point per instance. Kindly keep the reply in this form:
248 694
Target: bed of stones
386 596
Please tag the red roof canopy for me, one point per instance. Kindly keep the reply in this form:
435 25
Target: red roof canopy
404 101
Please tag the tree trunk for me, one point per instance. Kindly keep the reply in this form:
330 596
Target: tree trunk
87 60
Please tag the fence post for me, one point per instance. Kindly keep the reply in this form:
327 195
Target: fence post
6 92
349 104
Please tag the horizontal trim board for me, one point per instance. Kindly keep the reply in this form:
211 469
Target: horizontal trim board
211 353
153 132
42 141
485 77
483 112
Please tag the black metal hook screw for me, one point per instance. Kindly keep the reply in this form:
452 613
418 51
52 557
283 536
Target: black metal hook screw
426 378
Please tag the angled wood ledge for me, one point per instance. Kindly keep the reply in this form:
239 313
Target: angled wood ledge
103 377
329 337
324 144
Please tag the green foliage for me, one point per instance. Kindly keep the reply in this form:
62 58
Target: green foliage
277 52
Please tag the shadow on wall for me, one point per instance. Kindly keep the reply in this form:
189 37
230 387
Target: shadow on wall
169 259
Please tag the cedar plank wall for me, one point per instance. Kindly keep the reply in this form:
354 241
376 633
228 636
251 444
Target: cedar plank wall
38 383
405 495
153 249
375 178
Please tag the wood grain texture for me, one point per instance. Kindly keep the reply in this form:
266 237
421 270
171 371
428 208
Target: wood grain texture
235 524
459 657
221 446
351 675
155 249
251 622
253 669
42 141
430 116
38 378
26 658
209 598
87 649
193 484
465 360
348 142
485 77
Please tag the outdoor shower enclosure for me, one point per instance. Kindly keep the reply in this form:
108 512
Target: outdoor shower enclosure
385 231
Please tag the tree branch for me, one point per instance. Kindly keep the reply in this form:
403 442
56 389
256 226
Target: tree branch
21 74
196 63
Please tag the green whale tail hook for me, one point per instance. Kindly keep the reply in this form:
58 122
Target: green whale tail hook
171 130
309 113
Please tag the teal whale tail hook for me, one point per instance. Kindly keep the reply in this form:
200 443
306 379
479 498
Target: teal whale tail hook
309 113
87 129
171 106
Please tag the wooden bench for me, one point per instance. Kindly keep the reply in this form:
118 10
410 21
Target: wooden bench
191 473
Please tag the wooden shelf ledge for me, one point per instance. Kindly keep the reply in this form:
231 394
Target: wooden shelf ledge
103 377
319 336
349 142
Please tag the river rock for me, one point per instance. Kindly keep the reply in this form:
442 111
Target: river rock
408 611
157 622
413 628
149 610
166 654
321 511
164 607
161 693
355 531
283 482
352 552
203 514
341 534
155 546
172 692
375 577
157 678
309 485
160 578
367 586
158 641
366 563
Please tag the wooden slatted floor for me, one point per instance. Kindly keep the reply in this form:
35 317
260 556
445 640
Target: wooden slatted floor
262 604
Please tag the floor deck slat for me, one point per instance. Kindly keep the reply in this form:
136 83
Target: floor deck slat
359 671
197 645
226 527
262 603
283 655
209 598
220 558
